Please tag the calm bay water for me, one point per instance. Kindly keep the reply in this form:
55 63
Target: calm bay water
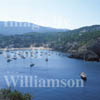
59 66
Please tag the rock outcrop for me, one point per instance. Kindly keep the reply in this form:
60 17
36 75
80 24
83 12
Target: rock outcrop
89 52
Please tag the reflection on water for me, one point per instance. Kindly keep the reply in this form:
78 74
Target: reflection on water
59 66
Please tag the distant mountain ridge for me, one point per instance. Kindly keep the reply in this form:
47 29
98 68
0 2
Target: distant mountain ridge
12 28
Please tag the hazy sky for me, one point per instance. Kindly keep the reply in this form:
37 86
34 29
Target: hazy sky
53 13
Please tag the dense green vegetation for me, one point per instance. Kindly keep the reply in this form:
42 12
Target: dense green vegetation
54 40
26 40
7 94
79 38
50 38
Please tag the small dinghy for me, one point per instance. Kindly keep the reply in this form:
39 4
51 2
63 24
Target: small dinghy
15 58
32 65
46 59
9 60
22 57
0 52
83 76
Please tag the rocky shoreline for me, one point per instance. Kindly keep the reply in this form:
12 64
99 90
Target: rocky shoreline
89 56
89 52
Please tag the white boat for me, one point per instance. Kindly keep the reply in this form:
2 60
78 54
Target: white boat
83 76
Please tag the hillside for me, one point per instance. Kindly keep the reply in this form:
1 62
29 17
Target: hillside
82 43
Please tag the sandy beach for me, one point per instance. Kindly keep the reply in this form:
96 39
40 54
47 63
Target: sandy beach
30 48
